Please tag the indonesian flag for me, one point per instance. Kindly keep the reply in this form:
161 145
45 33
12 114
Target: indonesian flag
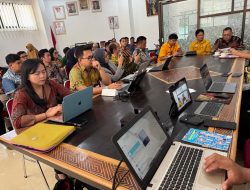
53 37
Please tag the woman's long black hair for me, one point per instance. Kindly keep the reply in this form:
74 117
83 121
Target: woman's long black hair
29 67
51 51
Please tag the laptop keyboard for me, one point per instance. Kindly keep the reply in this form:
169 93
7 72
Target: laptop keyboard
217 87
182 172
211 109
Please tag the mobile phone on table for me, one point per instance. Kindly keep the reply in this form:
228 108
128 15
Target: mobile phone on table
220 124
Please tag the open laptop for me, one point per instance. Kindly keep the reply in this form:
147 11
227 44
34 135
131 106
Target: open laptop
163 66
181 98
157 162
215 86
74 105
136 79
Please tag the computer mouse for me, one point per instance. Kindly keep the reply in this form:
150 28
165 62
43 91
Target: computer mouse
222 95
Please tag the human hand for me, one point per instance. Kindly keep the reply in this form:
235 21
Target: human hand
233 51
235 173
137 58
54 111
120 60
115 86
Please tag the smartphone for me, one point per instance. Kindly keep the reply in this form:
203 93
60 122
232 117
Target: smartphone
220 124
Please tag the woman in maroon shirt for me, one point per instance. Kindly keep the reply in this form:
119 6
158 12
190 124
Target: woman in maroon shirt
38 98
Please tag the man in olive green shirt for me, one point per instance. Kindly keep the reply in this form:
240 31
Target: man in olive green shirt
88 72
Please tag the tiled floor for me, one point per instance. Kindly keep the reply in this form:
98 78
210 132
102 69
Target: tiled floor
11 173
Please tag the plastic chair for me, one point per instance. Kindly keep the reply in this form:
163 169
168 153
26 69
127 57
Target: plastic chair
9 104
67 84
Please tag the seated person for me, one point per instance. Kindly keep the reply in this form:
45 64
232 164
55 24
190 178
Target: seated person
141 51
132 45
235 173
102 44
170 48
23 56
87 72
12 78
201 46
2 125
53 71
114 72
107 48
129 66
64 59
228 40
95 46
55 57
37 99
114 49
71 60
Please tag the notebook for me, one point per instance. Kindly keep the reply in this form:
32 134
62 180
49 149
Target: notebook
43 137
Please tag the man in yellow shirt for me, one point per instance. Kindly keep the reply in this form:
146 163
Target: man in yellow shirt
201 46
170 48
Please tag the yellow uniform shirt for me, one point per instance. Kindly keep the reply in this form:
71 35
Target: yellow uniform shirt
167 50
201 48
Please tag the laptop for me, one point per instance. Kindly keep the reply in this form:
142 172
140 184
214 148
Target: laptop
181 98
163 66
215 86
137 78
74 105
157 162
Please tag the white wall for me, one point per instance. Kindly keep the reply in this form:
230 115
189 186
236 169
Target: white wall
144 25
14 41
88 26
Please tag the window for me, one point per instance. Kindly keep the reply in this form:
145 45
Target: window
15 17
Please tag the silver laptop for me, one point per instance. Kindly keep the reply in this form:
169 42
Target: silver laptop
215 86
157 162
74 105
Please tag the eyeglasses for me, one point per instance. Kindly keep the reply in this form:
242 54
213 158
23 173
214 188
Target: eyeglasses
90 58
37 73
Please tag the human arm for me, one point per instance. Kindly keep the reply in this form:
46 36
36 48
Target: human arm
21 117
208 49
235 173
241 54
105 78
9 87
118 69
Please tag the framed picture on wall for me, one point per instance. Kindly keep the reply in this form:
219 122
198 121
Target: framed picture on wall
96 5
72 8
84 4
59 12
152 7
113 22
59 27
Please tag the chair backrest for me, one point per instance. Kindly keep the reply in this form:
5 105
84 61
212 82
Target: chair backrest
66 71
67 84
9 104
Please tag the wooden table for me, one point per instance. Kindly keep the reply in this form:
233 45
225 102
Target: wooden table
89 155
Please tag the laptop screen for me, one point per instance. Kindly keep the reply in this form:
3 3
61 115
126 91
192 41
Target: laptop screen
181 95
142 142
207 80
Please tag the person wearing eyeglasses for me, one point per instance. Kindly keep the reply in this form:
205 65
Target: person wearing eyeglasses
53 71
88 72
12 79
23 56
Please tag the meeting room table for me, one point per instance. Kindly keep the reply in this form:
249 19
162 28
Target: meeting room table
89 154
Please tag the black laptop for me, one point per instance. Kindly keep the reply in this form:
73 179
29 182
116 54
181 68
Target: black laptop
162 67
